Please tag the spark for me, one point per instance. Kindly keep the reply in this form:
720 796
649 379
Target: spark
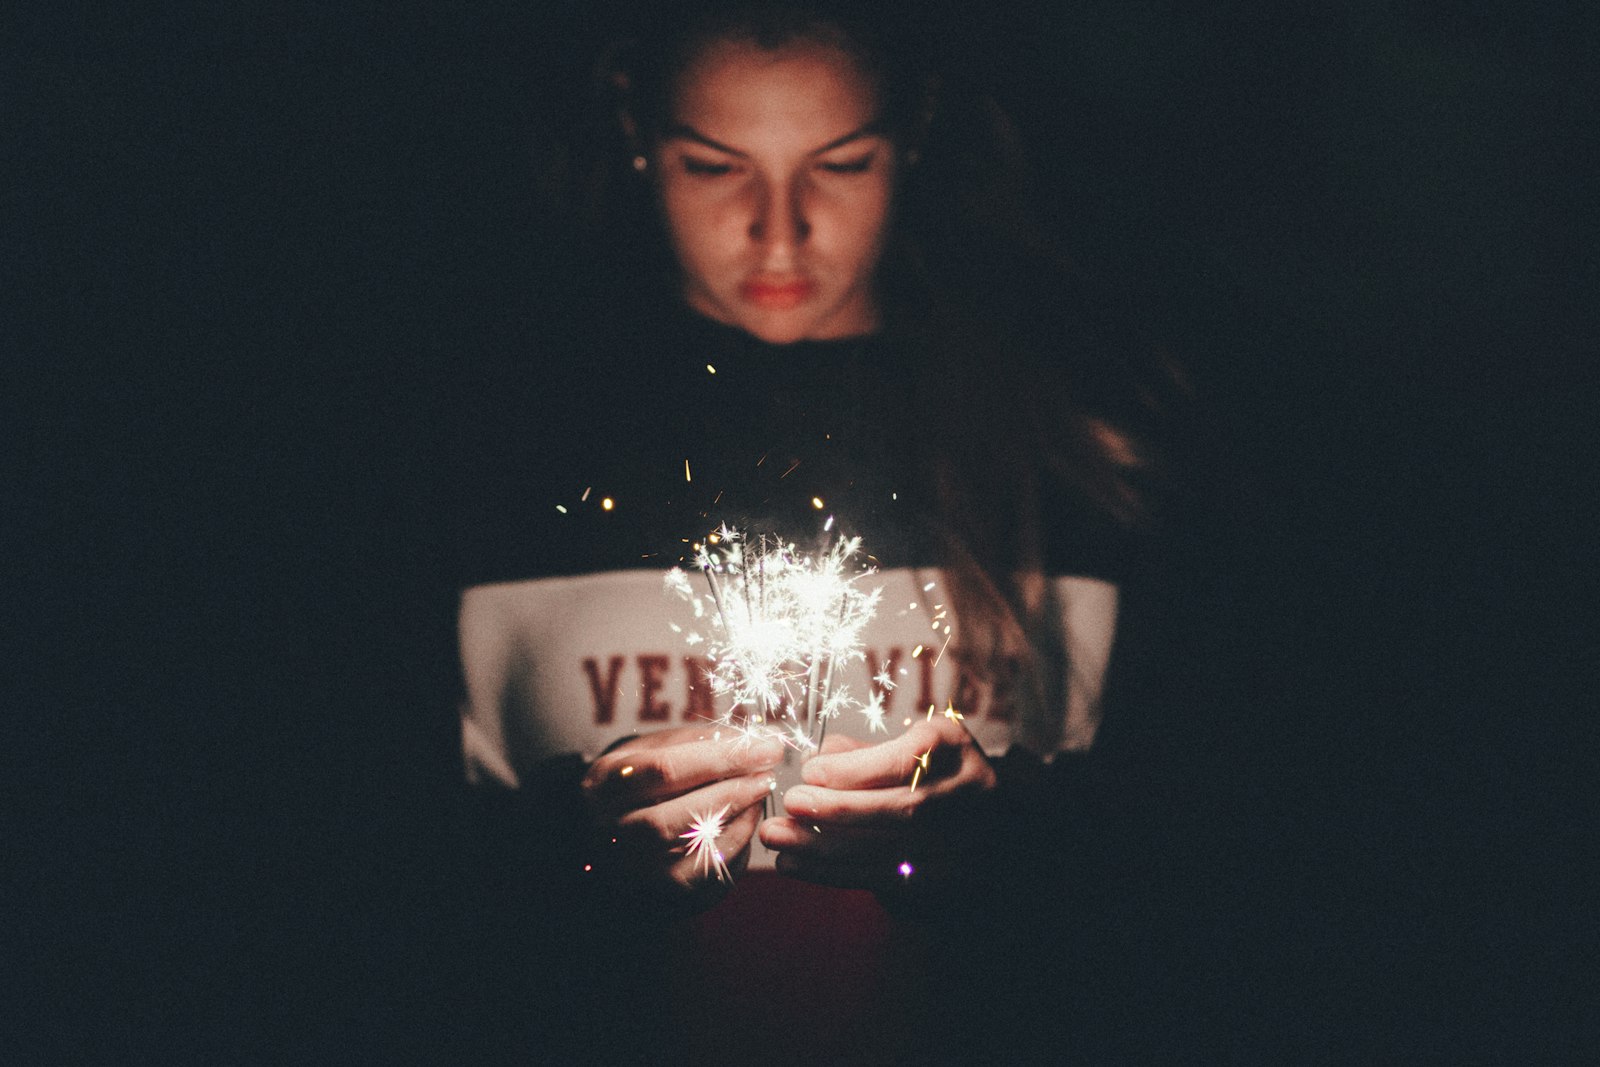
686 471
584 499
873 711
702 835
922 765
607 504
561 508
710 369
799 737
906 870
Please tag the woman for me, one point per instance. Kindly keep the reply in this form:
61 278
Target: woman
866 337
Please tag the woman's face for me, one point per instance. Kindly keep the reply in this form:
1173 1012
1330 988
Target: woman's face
776 180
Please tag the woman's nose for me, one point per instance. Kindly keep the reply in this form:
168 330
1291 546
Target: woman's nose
781 221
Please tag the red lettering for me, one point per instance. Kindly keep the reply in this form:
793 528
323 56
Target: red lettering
605 694
890 671
697 700
1001 706
652 670
968 689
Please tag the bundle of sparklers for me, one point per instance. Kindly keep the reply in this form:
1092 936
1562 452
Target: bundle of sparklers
783 625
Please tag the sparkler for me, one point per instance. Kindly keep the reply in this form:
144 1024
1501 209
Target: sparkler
782 622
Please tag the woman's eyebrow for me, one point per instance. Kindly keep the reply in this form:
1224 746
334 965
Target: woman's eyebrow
683 131
680 131
871 129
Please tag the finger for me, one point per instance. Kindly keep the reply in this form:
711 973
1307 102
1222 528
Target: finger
835 843
732 845
663 825
889 807
876 766
728 855
740 833
740 829
639 777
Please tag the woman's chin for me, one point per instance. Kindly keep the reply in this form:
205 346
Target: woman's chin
789 325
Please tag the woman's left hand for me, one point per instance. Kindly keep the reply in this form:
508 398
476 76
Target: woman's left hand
872 816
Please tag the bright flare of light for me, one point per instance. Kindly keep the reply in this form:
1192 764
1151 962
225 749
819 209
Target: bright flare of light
702 835
873 711
785 622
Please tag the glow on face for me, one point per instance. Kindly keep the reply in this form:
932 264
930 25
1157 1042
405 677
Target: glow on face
776 182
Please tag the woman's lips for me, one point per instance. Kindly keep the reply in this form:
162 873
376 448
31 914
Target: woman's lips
777 294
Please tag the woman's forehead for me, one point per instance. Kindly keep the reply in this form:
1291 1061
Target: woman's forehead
802 87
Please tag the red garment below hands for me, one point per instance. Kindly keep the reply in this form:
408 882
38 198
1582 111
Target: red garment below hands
790 972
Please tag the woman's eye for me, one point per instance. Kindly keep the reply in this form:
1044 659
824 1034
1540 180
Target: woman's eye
705 167
851 166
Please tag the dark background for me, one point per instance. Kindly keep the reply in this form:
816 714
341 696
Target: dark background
246 249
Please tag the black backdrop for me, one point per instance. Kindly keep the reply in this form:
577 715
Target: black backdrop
247 247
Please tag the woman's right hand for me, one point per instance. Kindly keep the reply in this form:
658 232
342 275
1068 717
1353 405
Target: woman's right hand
644 795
